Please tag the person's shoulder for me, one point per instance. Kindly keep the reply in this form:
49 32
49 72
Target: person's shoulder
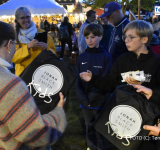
104 53
83 54
69 23
84 24
156 55
107 57
124 56
8 78
126 21
110 26
107 54
123 23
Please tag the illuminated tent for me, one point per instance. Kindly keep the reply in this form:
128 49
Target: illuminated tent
37 7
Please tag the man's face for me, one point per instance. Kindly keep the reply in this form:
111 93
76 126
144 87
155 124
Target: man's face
112 18
92 18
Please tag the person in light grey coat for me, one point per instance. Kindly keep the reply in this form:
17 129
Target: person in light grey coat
42 24
91 17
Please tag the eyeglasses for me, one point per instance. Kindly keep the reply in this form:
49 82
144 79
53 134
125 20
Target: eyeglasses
129 38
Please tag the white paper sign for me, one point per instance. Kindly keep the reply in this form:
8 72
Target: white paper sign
125 121
48 80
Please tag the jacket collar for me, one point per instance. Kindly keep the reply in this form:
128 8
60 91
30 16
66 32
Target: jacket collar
95 50
142 57
119 23
87 21
4 64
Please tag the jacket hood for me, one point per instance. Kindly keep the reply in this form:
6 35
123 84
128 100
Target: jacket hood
96 50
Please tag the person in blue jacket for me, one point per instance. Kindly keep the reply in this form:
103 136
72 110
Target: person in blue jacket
107 30
113 14
92 100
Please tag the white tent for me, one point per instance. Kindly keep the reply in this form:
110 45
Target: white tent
37 7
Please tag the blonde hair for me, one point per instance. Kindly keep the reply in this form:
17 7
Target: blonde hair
143 29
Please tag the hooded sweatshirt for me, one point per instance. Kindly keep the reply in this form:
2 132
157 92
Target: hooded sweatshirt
99 62
149 63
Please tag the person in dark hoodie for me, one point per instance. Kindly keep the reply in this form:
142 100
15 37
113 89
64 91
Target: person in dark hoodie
107 30
113 14
92 100
137 36
69 40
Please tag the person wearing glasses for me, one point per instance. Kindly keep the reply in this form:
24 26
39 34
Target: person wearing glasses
137 36
113 14
22 127
27 47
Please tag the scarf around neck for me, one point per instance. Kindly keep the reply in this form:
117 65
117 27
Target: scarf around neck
25 36
5 64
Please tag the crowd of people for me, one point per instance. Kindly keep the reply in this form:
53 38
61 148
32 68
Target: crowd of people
131 46
111 46
47 26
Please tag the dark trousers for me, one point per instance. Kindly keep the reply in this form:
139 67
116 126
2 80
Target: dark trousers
63 42
95 141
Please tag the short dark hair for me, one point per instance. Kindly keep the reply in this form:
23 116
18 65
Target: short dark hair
89 13
7 33
93 28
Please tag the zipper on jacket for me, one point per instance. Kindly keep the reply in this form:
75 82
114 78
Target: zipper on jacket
115 32
112 40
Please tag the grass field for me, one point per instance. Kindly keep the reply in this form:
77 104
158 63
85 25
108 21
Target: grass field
74 135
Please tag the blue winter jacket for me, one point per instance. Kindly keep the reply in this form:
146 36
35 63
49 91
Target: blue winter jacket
99 62
107 30
117 46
